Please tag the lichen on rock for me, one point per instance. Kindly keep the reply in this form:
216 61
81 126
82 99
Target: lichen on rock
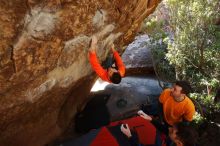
45 75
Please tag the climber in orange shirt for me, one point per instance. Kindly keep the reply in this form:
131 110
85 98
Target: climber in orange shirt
109 73
176 106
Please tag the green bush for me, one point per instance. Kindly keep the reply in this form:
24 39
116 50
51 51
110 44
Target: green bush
195 47
158 46
190 48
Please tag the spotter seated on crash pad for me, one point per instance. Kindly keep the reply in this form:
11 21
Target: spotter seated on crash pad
137 131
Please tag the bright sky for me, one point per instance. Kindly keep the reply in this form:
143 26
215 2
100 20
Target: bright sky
99 85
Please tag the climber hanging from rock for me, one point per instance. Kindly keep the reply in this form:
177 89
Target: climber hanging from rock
106 71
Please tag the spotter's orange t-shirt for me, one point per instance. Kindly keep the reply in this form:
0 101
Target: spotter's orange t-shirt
174 111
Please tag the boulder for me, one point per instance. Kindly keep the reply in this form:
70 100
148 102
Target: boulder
45 75
137 57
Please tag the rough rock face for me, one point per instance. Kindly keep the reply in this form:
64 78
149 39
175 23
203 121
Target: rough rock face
137 57
45 75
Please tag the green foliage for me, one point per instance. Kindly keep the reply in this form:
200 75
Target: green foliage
198 119
204 98
190 48
195 49
154 29
158 46
164 70
209 107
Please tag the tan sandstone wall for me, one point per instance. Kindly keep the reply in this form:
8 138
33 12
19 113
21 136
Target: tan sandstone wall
45 75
